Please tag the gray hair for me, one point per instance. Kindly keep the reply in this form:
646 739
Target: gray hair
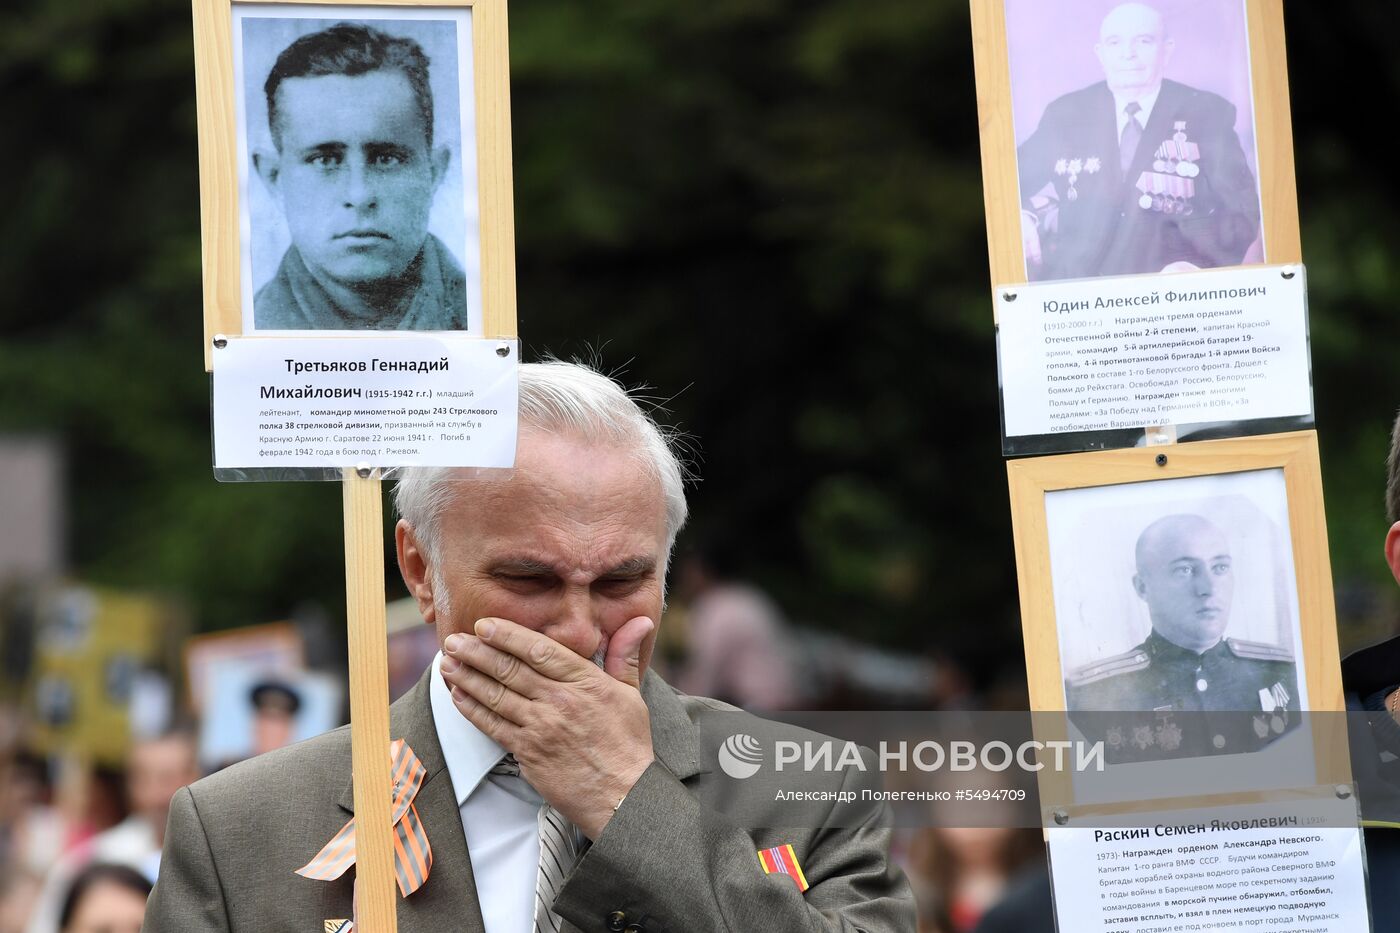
564 398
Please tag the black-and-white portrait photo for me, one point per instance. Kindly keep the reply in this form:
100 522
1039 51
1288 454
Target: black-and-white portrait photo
1135 136
358 171
1176 599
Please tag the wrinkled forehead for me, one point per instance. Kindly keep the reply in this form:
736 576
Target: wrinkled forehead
563 470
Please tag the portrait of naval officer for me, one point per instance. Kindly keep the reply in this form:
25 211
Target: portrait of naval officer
1201 691
353 170
1136 173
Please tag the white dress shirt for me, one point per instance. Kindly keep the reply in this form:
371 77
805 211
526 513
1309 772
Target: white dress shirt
500 816
1146 102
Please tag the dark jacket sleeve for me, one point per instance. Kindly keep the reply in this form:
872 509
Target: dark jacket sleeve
1035 158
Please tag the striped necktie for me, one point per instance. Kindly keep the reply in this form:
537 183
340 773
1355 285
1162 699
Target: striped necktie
560 848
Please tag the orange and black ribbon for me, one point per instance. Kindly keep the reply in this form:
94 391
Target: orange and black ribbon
413 858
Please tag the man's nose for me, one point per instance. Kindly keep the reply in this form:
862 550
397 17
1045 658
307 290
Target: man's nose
359 185
1204 584
575 625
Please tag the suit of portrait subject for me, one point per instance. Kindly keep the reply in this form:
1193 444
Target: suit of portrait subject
354 172
1135 174
1202 693
566 786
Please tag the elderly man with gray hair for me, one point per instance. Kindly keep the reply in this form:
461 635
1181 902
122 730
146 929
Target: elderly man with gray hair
565 781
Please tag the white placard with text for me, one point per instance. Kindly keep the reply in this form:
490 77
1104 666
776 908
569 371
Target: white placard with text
382 401
1294 867
1109 354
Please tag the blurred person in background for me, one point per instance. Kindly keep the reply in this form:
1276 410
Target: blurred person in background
19 889
32 831
156 769
101 802
960 872
105 898
1026 906
275 708
737 647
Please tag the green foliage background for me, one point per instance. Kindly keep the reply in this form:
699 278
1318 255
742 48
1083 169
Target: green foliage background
768 211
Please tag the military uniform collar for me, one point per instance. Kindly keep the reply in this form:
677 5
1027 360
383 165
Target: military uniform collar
1166 652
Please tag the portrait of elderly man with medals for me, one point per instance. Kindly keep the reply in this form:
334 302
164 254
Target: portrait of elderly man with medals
1196 690
1136 173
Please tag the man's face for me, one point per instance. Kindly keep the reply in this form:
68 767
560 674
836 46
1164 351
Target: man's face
156 770
1133 48
354 175
272 729
1186 577
573 546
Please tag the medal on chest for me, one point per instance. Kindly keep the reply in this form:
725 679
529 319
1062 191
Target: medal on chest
1071 169
1168 188
1274 702
1178 155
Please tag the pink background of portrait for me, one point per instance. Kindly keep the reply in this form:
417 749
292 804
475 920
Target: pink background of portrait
1051 47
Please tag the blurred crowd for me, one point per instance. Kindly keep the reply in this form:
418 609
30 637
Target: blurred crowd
80 847
80 841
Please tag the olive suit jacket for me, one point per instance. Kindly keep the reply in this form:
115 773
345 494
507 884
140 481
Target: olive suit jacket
665 862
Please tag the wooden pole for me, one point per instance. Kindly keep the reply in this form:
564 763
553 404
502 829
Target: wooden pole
369 703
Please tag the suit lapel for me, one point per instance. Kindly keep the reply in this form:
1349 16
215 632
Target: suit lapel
448 899
1104 133
675 739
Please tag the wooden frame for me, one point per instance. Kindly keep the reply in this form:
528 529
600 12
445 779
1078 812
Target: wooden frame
1295 454
218 161
252 642
1273 126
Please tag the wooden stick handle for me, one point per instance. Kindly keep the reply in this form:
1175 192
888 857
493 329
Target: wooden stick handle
369 703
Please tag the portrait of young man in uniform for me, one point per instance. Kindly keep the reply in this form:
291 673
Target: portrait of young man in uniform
1135 172
353 167
1176 610
1203 691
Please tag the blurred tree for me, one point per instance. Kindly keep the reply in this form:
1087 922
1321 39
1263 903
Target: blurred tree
768 211
101 317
